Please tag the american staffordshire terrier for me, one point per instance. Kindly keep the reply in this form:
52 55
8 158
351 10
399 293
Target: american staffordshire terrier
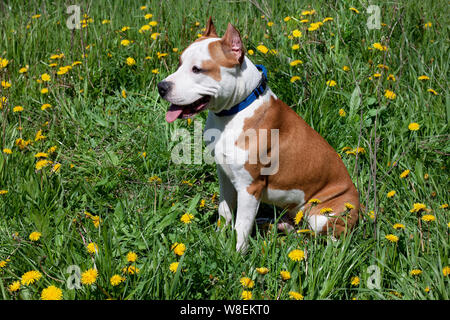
263 149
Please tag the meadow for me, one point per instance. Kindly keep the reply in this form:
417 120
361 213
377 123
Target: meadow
93 207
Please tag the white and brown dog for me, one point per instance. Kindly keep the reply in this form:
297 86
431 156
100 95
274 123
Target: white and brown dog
299 165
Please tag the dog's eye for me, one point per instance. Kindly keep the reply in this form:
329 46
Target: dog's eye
196 69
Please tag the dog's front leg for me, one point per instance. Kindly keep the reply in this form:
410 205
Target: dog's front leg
247 207
227 198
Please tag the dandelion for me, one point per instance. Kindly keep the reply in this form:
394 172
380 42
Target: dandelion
15 286
327 19
148 16
379 46
295 295
405 173
349 206
125 42
391 193
346 68
391 238
174 267
314 201
295 47
262 48
295 62
56 167
187 218
44 90
314 26
427 25
354 281
389 94
342 113
296 255
326 210
3 192
423 78
155 71
45 77
398 226
116 279
6 84
46 106
294 78
415 272
89 276
130 61
262 270
443 206
51 293
30 277
35 236
428 218
7 151
106 21
39 136
286 19
418 207
247 282
296 33
446 271
391 77
354 10
92 247
132 256
41 155
298 217
154 35
270 24
331 83
432 91
413 126
246 295
251 52
24 69
131 270
178 248
285 275
3 63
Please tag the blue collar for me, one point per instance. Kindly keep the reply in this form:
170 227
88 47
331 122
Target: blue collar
259 90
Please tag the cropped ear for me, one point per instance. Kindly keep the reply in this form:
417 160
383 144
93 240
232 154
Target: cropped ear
210 30
232 44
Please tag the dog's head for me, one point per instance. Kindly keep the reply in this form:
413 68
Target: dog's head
206 75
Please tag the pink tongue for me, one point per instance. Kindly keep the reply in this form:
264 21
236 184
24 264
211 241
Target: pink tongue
173 113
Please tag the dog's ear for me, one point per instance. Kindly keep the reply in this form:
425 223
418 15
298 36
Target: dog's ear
233 43
210 30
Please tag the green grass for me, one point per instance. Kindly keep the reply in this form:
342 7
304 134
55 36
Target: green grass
100 137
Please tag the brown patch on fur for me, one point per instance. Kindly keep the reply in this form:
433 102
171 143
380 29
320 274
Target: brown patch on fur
306 162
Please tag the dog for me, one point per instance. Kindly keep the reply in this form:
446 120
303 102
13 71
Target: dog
301 171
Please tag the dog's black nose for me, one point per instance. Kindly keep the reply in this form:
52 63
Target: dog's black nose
164 87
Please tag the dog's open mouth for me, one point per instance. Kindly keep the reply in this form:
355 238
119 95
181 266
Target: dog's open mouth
186 111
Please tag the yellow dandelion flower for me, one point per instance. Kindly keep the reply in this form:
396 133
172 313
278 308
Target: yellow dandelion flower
295 62
7 151
446 271
286 19
51 293
174 267
346 68
415 272
89 276
285 275
432 91
391 193
391 238
355 281
354 10
398 226
413 126
349 206
389 94
294 78
379 46
262 48
187 218
131 270
262 270
247 282
148 16
178 248
314 201
3 192
45 77
331 83
6 84
405 173
251 52
24 69
295 295
424 77
154 35
132 256
155 71
295 47
391 77
296 255
296 33
30 277
428 218
443 206
116 279
418 207
56 167
15 286
35 236
130 61
92 247
125 42
298 217
246 295
326 210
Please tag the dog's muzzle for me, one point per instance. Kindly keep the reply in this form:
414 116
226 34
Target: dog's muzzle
164 87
